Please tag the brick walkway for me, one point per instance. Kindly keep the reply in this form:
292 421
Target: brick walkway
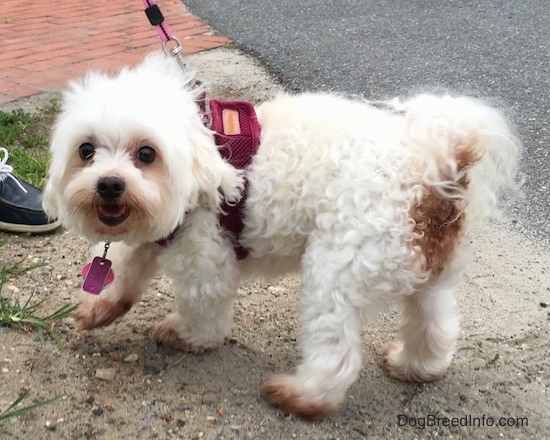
45 43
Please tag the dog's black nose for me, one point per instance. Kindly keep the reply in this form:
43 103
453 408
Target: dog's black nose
110 187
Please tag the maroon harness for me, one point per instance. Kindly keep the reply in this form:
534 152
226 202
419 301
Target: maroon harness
237 133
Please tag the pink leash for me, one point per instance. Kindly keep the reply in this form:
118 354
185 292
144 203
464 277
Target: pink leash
157 20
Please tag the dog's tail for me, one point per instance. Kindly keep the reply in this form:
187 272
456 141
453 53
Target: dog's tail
467 149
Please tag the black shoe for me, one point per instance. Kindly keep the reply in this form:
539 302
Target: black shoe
21 204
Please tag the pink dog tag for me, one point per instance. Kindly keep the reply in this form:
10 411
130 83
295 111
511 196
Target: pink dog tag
97 275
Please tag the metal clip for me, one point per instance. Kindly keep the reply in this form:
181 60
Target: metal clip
175 52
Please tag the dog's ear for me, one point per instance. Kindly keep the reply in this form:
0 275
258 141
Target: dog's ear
49 200
215 179
53 190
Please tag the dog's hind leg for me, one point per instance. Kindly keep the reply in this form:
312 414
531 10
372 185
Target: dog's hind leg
426 340
330 337
132 266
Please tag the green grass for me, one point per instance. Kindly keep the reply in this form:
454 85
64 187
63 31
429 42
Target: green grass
11 412
26 137
25 315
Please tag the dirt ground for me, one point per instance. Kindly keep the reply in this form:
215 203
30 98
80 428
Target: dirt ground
117 384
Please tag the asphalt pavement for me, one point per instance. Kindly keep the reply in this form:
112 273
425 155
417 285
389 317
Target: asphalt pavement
378 49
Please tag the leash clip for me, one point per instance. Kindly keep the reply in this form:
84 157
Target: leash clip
175 52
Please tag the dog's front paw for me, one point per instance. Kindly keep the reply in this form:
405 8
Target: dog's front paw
284 391
174 334
99 313
170 338
407 368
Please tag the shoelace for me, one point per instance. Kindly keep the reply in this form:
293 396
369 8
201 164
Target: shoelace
7 170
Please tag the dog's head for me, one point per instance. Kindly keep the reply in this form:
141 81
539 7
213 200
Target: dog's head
130 156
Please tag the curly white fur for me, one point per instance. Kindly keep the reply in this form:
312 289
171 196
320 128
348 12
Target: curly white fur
368 203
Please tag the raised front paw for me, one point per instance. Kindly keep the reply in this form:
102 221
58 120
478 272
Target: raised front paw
99 313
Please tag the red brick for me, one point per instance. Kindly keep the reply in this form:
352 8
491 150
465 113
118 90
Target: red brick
44 46
22 90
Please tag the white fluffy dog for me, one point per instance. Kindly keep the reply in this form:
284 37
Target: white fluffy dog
368 202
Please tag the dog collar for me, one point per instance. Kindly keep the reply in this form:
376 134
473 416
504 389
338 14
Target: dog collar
237 133
166 240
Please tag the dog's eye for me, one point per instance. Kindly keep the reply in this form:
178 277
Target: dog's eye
86 151
146 154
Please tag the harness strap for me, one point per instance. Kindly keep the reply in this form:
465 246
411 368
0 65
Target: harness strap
237 132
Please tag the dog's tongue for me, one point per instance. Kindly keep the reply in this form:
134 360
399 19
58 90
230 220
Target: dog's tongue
111 210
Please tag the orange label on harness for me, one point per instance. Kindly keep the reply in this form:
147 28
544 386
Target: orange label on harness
231 124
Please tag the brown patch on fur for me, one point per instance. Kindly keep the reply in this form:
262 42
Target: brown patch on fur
467 155
281 392
400 373
438 225
100 312
439 220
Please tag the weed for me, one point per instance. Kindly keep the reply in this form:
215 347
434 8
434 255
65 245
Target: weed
15 314
10 412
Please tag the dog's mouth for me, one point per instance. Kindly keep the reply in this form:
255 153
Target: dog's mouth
112 214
